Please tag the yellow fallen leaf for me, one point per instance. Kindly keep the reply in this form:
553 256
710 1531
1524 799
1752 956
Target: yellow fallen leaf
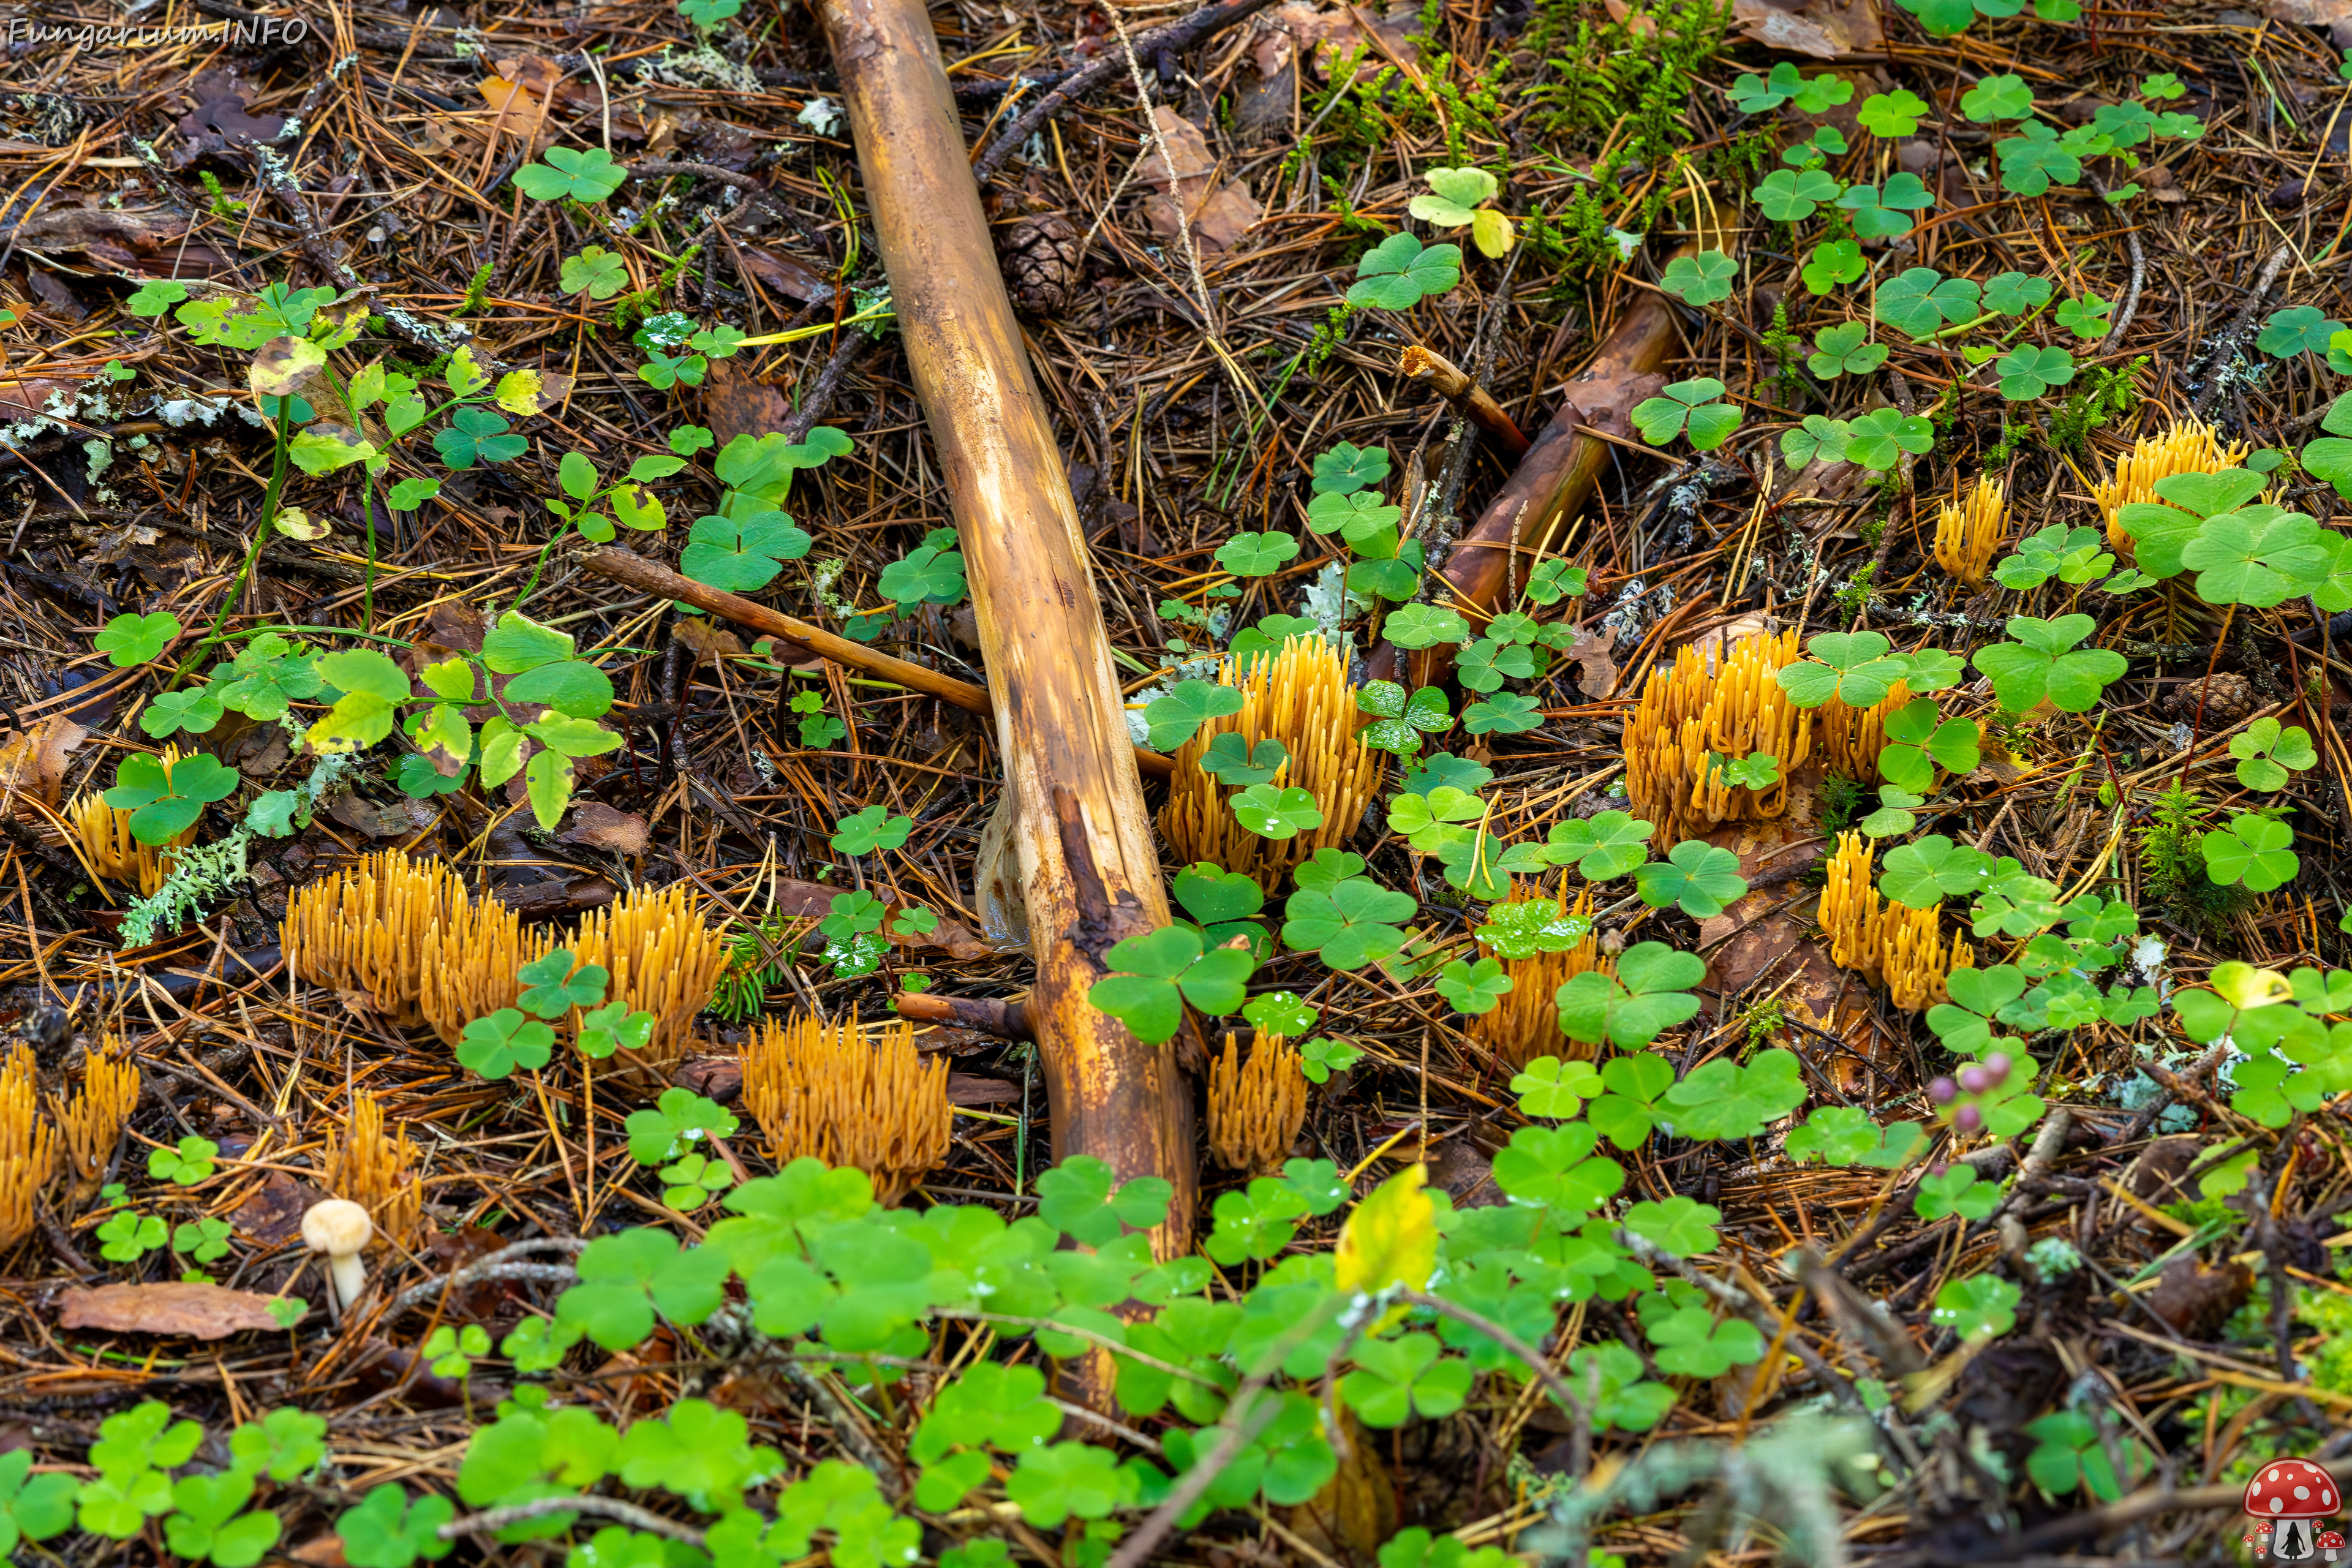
1391 1238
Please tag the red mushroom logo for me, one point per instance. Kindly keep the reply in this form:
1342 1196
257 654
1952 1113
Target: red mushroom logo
2330 1542
2290 1495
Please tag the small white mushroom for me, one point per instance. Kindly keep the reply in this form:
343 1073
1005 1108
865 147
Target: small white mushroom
340 1228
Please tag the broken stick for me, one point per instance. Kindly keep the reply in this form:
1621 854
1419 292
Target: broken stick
804 639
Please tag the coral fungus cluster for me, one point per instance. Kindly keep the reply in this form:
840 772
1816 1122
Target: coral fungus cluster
1695 712
1885 942
1300 697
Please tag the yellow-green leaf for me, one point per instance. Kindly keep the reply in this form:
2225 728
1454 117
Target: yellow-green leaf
638 508
549 780
281 365
519 392
359 719
445 727
1391 1238
464 376
501 752
1490 231
453 678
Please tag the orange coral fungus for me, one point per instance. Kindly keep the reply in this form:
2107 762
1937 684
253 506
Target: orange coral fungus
375 1171
28 1148
663 960
369 928
2187 447
1968 532
472 958
832 1092
1299 697
93 1121
1886 943
1690 712
1255 1108
1850 739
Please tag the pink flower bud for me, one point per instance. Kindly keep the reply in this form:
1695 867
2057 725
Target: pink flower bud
1942 1091
1997 1064
1967 1119
1975 1078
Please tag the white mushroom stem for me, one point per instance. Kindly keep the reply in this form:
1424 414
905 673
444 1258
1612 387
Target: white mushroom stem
340 1229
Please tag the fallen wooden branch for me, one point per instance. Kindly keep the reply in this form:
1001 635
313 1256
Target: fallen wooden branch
1419 363
1557 476
803 640
1089 864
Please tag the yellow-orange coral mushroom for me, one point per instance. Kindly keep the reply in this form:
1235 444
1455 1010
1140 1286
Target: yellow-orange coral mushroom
1300 697
376 1170
1691 711
1524 1023
28 1148
1968 532
369 928
826 1090
1255 1108
93 1121
1886 943
2187 447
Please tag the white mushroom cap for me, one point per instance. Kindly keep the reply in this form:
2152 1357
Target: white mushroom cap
337 1227
340 1228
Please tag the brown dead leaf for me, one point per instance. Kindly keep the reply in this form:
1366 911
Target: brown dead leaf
734 404
971 1089
450 630
1596 672
220 121
705 638
1219 211
520 92
24 399
34 762
272 1216
1826 29
203 1312
321 1551
1325 36
1764 945
780 271
2335 15
601 826
2198 1300
396 819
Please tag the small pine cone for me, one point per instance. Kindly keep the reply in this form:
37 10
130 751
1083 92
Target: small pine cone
2228 699
1041 256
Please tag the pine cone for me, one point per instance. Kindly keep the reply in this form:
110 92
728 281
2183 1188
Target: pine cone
1041 257
2228 699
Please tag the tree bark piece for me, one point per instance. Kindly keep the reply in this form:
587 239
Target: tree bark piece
806 640
1089 865
1557 475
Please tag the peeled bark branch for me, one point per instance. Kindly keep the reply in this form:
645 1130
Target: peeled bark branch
1557 476
1089 865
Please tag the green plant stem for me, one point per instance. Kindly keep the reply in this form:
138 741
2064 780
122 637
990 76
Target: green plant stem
324 631
252 556
367 584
